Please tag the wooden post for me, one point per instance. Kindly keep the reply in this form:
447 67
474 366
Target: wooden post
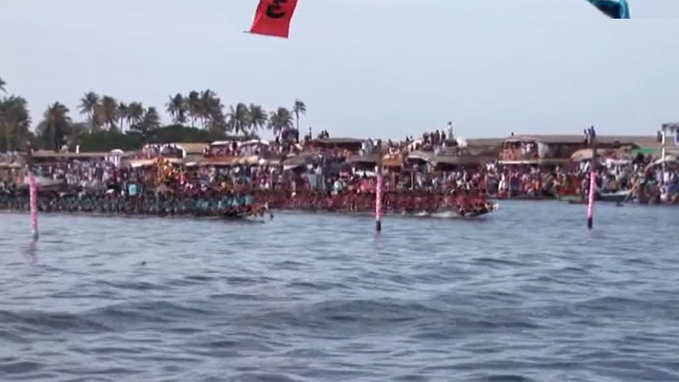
378 188
592 185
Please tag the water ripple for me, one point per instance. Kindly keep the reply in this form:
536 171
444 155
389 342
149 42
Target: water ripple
526 294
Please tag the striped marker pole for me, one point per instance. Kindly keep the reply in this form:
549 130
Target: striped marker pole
378 188
590 205
592 187
33 198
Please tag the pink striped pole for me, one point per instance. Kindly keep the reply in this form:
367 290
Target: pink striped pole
592 182
378 203
33 196
378 189
590 205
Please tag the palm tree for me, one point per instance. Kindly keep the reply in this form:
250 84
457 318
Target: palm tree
4 116
151 118
55 125
3 121
239 118
216 118
135 114
214 103
280 120
15 120
76 133
2 85
298 108
217 123
122 113
109 108
176 107
149 122
89 105
193 106
208 105
257 118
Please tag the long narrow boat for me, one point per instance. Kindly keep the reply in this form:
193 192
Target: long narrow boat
453 213
612 197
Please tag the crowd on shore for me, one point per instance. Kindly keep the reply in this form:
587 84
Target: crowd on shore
300 175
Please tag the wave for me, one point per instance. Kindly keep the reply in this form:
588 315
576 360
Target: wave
49 322
260 377
19 367
135 285
124 316
632 306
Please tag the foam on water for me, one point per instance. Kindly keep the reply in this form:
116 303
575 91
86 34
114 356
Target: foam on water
524 294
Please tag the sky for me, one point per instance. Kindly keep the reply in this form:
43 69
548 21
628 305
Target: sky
364 68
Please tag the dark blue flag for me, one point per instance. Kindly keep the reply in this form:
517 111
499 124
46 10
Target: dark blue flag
617 9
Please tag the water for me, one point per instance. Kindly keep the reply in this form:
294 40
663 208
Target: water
527 294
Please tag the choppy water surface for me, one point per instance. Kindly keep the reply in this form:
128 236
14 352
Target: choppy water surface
526 294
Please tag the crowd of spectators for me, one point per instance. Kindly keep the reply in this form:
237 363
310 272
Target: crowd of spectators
295 174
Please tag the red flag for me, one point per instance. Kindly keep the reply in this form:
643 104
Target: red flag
273 17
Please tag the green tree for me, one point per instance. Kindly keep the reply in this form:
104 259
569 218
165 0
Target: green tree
238 118
211 112
151 119
298 108
179 133
103 141
77 133
2 85
149 122
135 114
54 126
217 124
208 106
89 105
258 117
194 106
280 120
14 121
122 113
216 111
109 111
176 107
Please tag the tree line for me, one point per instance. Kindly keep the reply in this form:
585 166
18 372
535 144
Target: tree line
15 121
206 109
106 118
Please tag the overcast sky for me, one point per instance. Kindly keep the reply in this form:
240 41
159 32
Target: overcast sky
364 67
